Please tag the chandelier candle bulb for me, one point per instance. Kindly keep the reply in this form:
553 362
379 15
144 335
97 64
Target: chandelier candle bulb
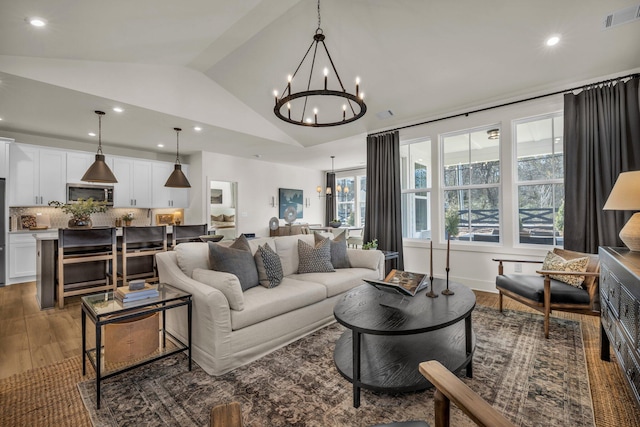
357 85
326 73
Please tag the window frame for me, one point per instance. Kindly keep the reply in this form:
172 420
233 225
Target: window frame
407 176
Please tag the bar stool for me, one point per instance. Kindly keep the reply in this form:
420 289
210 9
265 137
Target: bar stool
187 233
137 251
85 257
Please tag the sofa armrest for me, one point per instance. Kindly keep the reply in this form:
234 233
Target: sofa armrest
372 259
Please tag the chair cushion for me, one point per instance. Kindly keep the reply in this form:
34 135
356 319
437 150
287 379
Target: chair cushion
557 263
532 288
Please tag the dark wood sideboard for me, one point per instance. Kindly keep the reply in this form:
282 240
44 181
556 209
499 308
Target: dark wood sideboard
620 302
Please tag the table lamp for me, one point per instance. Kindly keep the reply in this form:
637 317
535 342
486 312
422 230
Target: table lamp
625 196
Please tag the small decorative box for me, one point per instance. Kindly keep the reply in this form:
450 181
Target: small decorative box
135 285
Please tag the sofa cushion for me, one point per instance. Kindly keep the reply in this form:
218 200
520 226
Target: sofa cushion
339 258
192 255
315 259
269 266
287 250
557 263
226 283
261 303
341 281
235 261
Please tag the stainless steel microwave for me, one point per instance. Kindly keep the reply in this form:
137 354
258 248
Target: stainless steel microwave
100 193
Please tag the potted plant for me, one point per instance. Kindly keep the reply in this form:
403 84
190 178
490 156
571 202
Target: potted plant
335 223
127 218
80 211
371 245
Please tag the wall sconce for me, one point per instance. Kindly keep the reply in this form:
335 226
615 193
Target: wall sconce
272 203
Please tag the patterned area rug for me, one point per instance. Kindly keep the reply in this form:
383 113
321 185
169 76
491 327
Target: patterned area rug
532 381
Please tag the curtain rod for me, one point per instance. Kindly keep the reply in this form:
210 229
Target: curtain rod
506 104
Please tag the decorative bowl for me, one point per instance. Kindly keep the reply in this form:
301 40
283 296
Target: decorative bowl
335 224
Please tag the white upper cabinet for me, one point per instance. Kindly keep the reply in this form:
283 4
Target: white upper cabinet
133 188
165 197
77 164
36 175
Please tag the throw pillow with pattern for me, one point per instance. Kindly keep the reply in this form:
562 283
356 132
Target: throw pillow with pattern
269 266
338 245
557 263
314 259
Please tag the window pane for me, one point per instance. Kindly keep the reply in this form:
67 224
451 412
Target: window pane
456 214
539 219
485 214
415 162
362 198
416 210
485 158
535 150
456 160
558 147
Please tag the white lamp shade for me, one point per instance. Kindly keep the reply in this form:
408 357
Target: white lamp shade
625 195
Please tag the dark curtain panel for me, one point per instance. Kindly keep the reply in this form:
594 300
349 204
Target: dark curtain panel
330 202
383 216
602 139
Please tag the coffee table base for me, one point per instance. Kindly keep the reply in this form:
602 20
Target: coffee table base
389 363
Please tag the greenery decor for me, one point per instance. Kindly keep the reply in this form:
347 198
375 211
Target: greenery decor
371 245
128 217
451 221
80 211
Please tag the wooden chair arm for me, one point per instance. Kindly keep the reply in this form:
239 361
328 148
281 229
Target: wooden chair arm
459 393
518 260
568 273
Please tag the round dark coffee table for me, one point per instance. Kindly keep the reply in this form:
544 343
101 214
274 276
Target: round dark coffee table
384 345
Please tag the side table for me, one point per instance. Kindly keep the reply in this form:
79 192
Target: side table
103 308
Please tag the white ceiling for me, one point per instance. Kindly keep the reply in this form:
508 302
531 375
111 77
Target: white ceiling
215 64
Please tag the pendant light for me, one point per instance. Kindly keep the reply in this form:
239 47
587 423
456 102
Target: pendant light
177 178
99 171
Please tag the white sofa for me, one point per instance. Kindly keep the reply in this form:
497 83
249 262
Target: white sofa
262 319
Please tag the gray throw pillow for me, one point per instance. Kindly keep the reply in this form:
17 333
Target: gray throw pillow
269 266
338 246
314 259
238 262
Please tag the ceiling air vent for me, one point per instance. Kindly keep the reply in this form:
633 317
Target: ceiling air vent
621 16
384 114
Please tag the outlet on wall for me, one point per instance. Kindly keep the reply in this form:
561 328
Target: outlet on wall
517 267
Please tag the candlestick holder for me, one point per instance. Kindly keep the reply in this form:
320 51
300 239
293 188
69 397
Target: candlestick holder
431 294
447 291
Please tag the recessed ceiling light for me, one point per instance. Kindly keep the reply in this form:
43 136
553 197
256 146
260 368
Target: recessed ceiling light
160 145
37 22
92 134
197 128
0 119
118 109
553 40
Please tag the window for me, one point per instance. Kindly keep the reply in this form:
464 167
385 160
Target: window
351 197
415 165
471 184
540 180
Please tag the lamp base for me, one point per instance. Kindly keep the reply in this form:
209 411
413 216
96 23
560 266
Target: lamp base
630 233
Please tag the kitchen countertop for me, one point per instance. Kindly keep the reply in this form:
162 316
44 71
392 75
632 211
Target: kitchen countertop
52 233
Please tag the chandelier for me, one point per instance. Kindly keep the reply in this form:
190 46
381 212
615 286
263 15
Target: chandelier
177 178
353 106
328 192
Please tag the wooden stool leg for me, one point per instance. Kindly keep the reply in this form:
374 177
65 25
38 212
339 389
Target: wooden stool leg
226 415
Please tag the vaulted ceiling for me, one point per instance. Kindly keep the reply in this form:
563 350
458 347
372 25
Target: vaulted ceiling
215 64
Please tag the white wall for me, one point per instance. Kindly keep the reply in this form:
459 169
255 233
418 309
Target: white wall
258 182
471 263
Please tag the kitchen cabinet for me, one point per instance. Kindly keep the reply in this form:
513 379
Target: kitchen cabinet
36 175
133 188
77 164
22 257
4 149
166 197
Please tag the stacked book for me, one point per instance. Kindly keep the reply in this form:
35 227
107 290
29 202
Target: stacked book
125 294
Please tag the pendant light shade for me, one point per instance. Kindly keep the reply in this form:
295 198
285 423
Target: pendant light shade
177 178
99 171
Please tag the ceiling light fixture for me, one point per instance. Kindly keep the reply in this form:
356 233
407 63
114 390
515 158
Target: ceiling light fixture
348 101
197 128
328 192
553 40
493 133
118 109
37 22
99 171
177 178
92 134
